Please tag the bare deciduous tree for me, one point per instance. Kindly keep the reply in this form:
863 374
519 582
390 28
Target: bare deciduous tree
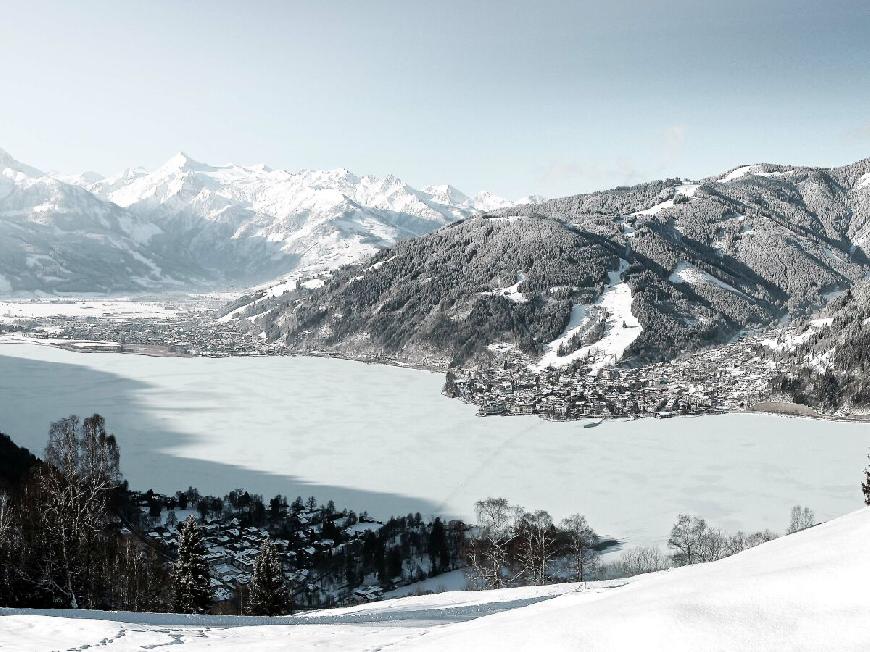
581 541
9 540
81 470
537 546
801 519
636 561
687 537
489 550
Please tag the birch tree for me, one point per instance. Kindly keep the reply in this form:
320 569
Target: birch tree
537 546
489 551
81 470
581 541
687 537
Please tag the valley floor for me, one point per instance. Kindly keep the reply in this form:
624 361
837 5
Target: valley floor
806 591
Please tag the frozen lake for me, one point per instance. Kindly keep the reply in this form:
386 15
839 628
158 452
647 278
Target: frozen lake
383 439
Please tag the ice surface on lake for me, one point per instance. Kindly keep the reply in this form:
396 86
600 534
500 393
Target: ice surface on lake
383 439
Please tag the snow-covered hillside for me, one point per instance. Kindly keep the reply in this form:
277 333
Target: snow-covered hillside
806 591
60 238
188 223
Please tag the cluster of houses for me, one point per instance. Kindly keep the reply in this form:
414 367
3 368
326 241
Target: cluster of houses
232 549
195 336
726 378
316 546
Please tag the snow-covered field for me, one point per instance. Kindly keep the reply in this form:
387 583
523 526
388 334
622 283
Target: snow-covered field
383 439
806 592
11 311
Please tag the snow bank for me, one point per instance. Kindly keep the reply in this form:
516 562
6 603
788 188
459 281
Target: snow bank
801 592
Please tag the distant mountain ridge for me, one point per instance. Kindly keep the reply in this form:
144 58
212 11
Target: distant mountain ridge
190 225
634 274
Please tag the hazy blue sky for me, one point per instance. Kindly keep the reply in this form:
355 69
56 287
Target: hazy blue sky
515 97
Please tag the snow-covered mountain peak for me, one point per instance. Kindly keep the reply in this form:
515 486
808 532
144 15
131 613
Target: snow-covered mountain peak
83 179
183 163
9 163
226 224
447 195
487 201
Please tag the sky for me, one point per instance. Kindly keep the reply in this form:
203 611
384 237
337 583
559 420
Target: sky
540 97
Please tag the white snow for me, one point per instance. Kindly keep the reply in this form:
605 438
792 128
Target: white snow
752 170
806 591
788 339
364 627
802 592
390 443
313 283
686 189
325 217
272 290
621 328
863 182
685 272
739 172
109 309
512 292
454 580
265 222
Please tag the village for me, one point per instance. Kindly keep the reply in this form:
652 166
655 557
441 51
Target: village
329 557
193 335
721 379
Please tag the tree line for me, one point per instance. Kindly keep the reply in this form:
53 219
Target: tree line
68 539
73 535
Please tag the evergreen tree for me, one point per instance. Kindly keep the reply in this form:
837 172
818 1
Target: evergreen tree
269 595
191 571
394 566
439 553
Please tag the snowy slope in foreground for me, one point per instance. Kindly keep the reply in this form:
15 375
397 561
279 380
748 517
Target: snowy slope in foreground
802 592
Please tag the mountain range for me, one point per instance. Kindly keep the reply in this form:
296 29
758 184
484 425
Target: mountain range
635 274
189 225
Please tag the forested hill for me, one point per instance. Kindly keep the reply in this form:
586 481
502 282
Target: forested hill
15 463
647 271
827 366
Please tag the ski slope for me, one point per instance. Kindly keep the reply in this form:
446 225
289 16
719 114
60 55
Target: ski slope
806 591
621 328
